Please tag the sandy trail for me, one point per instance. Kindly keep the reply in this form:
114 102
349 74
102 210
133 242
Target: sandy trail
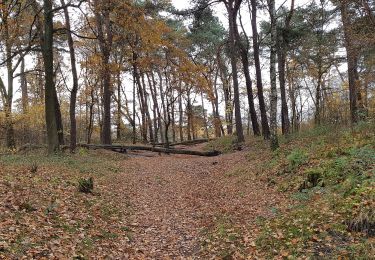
173 198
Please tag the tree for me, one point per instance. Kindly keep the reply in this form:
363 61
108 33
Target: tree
259 83
355 96
74 90
7 93
282 45
51 101
16 44
102 9
232 7
273 94
207 37
244 51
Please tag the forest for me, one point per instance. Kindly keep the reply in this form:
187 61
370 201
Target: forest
187 129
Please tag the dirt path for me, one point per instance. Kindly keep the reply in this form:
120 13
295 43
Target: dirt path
174 199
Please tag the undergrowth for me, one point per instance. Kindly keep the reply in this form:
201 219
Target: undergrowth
41 206
329 174
225 144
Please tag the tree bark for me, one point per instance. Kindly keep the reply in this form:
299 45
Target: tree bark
24 90
134 125
282 53
244 50
155 110
227 94
204 117
10 141
355 96
162 98
104 31
74 90
258 71
180 121
60 126
215 108
147 111
273 95
285 123
189 115
141 98
119 111
232 9
50 91
91 117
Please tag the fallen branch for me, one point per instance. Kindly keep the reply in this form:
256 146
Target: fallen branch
124 148
30 147
188 142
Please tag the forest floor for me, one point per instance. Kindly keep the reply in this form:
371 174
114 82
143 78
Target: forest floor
242 204
146 206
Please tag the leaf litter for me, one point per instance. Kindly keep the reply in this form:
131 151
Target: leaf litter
143 207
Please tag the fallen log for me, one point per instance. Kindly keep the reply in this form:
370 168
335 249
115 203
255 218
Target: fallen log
188 142
124 148
30 147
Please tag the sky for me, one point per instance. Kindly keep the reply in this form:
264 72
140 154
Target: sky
221 12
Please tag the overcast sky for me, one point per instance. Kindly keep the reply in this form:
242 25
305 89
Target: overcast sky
221 12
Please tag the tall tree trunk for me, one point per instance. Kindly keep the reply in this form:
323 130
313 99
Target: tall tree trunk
167 123
147 111
134 125
141 98
273 95
143 127
204 117
162 99
215 108
104 31
24 90
318 98
285 123
293 97
250 95
173 123
227 94
91 116
24 100
59 122
244 51
74 90
258 71
50 91
10 141
281 54
232 9
40 77
181 117
356 106
189 116
155 110
160 125
119 123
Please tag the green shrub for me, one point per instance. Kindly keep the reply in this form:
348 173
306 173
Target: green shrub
86 185
225 144
82 151
335 170
297 158
314 178
34 168
27 206
365 153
